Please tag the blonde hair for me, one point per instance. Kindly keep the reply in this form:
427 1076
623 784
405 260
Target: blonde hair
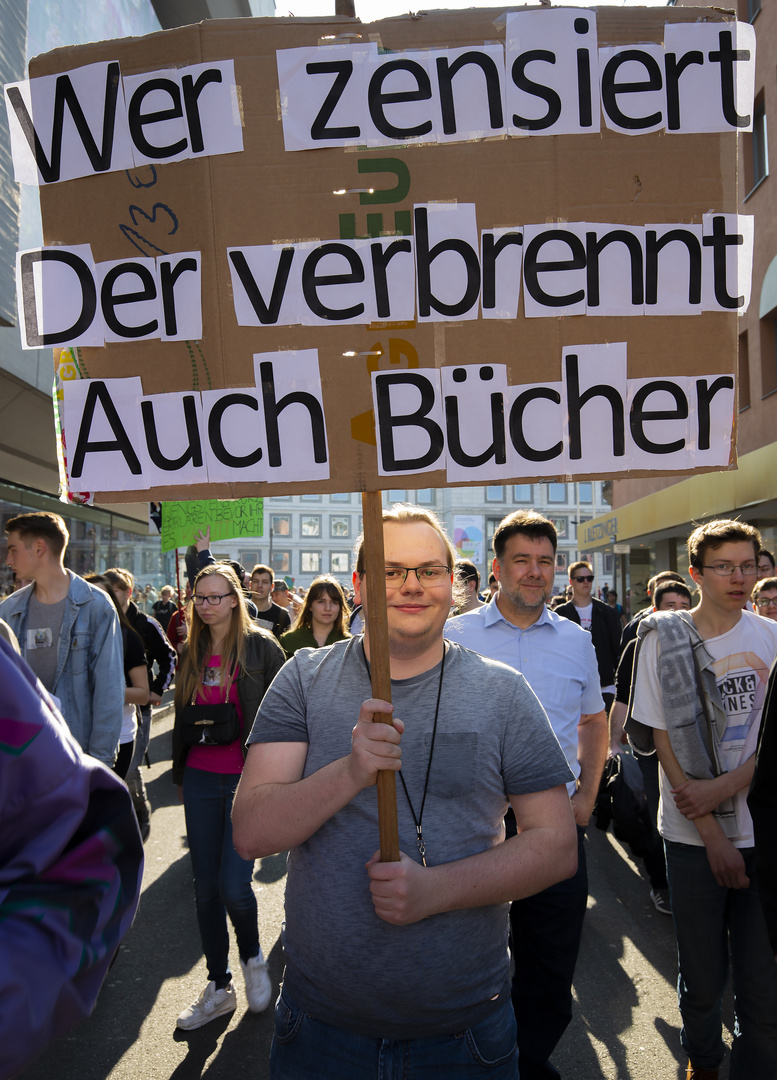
333 589
189 678
407 513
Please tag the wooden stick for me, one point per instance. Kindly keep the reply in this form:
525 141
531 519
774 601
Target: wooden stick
377 628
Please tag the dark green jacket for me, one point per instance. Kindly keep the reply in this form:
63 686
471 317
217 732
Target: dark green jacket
303 639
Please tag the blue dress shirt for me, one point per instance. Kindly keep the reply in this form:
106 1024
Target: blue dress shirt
555 655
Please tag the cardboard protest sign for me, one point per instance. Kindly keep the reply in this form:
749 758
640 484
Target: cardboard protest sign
226 519
311 254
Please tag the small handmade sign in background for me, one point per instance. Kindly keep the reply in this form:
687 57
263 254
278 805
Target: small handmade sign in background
457 248
182 521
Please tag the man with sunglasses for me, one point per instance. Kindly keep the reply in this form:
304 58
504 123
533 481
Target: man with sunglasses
402 968
697 694
600 620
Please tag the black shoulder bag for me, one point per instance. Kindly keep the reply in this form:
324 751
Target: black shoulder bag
211 725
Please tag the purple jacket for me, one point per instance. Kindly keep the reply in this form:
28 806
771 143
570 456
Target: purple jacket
71 864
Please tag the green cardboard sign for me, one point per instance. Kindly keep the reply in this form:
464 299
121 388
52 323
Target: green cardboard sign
227 518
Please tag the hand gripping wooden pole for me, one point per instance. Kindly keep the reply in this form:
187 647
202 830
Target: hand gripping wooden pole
377 629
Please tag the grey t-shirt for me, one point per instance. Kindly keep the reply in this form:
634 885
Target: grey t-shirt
41 639
344 965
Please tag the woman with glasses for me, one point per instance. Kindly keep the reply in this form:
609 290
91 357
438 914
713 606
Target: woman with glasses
226 659
322 619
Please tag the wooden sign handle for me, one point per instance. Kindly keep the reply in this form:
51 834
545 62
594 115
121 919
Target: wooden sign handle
377 628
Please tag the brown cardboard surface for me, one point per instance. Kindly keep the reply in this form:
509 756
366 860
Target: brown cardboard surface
265 195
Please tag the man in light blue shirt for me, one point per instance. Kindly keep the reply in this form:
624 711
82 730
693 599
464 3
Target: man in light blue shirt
557 658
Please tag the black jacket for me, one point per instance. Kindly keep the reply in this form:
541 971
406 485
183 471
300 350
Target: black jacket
762 801
264 659
605 633
157 648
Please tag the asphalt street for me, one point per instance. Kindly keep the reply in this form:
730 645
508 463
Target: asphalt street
626 1024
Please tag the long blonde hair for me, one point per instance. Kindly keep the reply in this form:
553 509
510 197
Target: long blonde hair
189 677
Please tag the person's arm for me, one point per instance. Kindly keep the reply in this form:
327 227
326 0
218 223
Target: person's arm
591 755
618 714
276 808
543 852
160 649
137 693
725 861
695 798
204 557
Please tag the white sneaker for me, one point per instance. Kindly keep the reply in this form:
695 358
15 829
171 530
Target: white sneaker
210 1004
257 983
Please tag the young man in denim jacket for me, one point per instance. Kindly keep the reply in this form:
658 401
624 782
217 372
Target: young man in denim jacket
68 632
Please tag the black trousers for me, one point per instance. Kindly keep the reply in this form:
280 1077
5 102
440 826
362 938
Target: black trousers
545 932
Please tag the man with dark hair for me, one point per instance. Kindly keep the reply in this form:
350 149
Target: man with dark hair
268 614
68 632
629 632
469 577
698 687
765 597
765 564
380 974
558 660
600 620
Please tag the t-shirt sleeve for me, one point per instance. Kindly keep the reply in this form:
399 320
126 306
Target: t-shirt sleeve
136 654
281 716
648 706
532 758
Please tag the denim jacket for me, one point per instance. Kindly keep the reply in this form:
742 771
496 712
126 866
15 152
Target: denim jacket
89 680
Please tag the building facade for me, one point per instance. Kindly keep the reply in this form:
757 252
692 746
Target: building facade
29 479
308 535
653 517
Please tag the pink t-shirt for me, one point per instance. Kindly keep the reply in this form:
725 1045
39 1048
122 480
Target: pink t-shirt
218 759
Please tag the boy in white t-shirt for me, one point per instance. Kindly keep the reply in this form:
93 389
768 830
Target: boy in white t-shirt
699 684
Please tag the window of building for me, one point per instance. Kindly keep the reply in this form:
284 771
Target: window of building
492 524
310 562
310 525
495 493
339 562
397 495
562 561
280 524
557 493
756 147
744 372
562 526
523 493
339 526
310 498
426 497
249 559
585 492
280 561
341 496
768 334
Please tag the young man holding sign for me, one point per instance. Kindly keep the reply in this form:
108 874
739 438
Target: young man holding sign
404 961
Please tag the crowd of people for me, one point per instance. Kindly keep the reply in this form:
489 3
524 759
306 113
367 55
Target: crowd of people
275 749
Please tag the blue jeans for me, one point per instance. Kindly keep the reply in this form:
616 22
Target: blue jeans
709 919
545 932
222 880
307 1049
